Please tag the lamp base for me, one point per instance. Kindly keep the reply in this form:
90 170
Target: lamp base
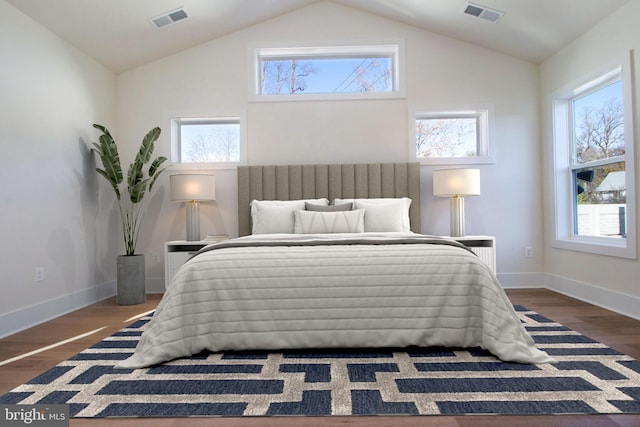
457 217
193 221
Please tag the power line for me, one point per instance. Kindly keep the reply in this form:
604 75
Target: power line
349 76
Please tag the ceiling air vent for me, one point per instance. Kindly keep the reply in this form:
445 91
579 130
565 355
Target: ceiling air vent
169 18
482 12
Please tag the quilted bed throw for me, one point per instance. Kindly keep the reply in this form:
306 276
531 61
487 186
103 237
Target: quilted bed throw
333 291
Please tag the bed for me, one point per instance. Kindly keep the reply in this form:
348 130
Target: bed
331 256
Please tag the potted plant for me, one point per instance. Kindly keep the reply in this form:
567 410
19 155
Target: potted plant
130 194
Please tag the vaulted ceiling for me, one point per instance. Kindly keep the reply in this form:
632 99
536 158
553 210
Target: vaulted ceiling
119 34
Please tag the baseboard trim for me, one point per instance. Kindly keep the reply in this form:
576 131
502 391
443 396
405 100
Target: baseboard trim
27 317
522 280
618 302
625 304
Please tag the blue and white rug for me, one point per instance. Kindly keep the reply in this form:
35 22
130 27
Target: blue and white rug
589 378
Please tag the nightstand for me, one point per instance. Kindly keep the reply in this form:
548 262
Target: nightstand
177 253
483 246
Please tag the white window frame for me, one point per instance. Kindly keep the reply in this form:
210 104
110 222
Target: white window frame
393 48
562 136
174 122
484 132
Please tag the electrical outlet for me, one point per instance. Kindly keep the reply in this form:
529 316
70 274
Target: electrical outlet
528 252
155 257
39 276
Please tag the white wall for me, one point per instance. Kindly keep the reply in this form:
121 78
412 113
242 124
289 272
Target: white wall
50 215
607 281
441 72
56 213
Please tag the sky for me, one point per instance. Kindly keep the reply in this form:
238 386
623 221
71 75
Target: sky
601 97
335 74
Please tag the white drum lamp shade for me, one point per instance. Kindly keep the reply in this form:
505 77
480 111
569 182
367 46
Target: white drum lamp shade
192 188
456 183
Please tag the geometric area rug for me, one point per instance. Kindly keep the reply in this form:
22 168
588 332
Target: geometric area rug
589 378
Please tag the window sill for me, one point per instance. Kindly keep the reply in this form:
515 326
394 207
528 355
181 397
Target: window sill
436 161
200 166
355 96
619 248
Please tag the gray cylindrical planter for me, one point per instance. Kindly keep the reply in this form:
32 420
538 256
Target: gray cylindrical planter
131 279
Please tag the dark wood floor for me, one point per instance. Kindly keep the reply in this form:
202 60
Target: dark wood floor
619 332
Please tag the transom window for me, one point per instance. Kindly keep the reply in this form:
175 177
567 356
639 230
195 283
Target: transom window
452 137
326 72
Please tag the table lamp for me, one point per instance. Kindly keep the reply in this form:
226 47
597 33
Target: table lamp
192 189
456 183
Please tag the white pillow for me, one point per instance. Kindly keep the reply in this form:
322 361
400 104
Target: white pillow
314 222
276 216
384 214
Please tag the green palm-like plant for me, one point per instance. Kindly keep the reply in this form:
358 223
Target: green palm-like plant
137 181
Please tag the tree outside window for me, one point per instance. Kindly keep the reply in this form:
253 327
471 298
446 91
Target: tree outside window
327 72
215 140
330 75
453 137
446 137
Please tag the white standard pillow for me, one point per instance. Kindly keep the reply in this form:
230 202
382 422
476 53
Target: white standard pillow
276 216
314 222
384 214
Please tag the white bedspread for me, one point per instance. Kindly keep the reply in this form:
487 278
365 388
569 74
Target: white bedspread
340 295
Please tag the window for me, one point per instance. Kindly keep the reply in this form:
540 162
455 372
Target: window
455 137
597 125
593 143
206 140
326 72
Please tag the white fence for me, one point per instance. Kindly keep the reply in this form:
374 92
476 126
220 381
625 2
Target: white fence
602 220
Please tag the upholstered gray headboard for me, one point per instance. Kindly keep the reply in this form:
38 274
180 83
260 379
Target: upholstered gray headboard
346 181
